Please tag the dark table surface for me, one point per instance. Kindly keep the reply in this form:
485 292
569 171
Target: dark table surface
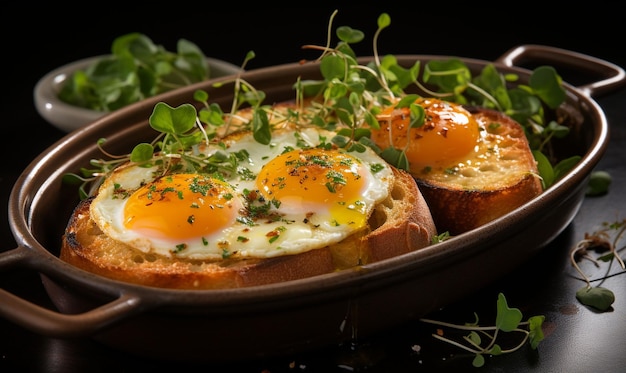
578 339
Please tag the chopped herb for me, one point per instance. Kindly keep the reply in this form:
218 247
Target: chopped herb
275 233
376 167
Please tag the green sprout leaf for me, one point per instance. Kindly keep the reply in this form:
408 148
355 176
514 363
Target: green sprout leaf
596 297
200 95
171 120
383 21
261 127
418 115
349 35
546 171
141 153
536 333
396 157
407 100
332 67
507 319
496 350
490 80
546 83
474 338
599 183
450 76
479 361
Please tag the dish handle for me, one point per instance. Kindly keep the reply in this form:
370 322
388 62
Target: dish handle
613 75
51 323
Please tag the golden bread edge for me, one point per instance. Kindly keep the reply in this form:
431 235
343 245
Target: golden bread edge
457 209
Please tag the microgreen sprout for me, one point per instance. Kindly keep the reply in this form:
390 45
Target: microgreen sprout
182 130
482 340
347 100
600 241
356 93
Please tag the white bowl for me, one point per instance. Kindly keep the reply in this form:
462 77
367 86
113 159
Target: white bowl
68 117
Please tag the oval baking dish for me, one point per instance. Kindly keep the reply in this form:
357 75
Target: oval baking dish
292 316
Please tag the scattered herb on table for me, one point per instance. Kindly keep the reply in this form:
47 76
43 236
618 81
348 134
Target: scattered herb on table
482 340
606 247
599 182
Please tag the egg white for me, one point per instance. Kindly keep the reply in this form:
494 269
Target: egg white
301 227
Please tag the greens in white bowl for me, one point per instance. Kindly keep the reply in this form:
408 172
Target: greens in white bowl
80 92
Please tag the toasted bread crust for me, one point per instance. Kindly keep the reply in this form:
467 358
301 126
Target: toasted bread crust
503 175
402 223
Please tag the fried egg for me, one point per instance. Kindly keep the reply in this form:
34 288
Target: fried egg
449 133
293 195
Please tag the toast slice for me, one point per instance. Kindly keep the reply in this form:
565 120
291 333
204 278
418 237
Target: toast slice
497 177
401 223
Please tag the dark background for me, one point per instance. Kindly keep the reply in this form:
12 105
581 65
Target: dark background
37 38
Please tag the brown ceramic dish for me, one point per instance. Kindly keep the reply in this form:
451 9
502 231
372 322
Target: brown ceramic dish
224 325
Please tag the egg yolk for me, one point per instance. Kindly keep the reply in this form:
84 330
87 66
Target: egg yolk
181 206
448 134
313 180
